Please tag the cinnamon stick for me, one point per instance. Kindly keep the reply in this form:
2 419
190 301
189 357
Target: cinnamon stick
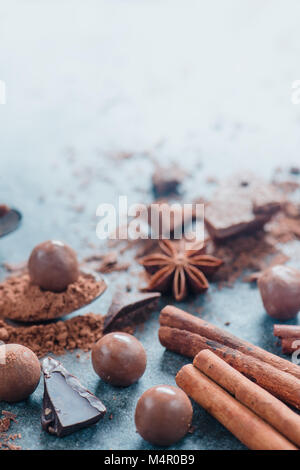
281 384
245 425
174 317
287 331
290 345
261 402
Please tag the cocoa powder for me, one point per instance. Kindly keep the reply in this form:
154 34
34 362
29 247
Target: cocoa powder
79 332
6 440
22 301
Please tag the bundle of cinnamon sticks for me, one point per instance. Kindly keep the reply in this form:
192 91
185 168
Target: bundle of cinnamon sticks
252 376
290 337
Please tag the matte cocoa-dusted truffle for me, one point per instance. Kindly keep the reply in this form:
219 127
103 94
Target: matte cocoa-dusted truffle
20 372
280 291
163 415
53 266
119 359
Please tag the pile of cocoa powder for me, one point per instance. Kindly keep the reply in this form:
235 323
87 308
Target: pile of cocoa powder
79 332
20 300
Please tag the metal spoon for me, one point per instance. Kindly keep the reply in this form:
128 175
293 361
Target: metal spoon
9 222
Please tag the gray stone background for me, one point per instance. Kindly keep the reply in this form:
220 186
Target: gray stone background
205 84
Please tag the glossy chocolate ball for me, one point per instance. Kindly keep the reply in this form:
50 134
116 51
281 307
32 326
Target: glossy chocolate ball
280 291
53 266
119 359
20 372
163 415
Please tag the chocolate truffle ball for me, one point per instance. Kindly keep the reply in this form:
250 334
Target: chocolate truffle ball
53 266
163 415
119 359
280 291
19 372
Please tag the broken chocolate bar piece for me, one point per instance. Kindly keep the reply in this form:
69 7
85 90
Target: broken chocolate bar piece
242 204
167 180
129 309
10 220
169 219
67 405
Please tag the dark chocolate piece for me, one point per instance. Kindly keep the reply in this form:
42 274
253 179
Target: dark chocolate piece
129 308
242 204
166 180
163 415
10 220
67 405
280 291
119 359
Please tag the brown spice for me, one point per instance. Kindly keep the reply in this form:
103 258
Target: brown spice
180 268
80 332
181 322
242 422
5 423
261 402
22 301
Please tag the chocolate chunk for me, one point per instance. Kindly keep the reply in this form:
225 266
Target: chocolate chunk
67 405
242 204
167 180
10 220
129 308
169 219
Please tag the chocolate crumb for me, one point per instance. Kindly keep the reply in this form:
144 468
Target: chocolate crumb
5 438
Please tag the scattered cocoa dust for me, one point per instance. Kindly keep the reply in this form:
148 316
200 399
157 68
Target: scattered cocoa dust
109 263
245 253
6 440
79 332
22 301
260 250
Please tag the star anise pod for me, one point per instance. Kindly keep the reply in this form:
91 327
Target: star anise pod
179 268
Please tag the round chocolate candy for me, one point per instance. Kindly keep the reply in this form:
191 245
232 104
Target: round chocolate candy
53 266
163 415
20 372
280 291
119 359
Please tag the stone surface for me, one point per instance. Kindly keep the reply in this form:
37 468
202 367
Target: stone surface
80 93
